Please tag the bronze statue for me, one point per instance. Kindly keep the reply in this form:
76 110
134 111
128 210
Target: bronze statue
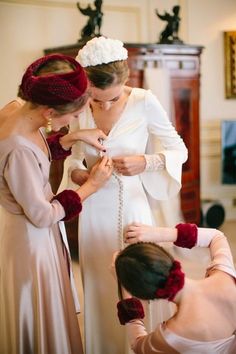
93 26
170 34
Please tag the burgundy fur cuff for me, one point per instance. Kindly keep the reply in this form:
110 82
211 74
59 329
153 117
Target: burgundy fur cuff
57 151
187 235
70 202
130 309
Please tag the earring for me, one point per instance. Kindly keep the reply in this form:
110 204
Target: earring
48 128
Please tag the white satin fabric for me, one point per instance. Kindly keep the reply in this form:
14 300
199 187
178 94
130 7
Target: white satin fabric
37 309
158 80
101 219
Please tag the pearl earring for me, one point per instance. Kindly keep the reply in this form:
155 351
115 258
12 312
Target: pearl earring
48 128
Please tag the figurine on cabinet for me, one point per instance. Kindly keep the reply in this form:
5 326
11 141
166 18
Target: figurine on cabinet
93 26
170 34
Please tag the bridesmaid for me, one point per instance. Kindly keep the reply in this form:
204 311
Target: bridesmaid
205 319
38 303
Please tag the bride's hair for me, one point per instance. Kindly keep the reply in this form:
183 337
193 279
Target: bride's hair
106 75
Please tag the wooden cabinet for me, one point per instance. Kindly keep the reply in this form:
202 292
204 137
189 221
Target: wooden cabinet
183 63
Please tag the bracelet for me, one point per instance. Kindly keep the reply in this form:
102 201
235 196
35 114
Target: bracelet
187 235
129 309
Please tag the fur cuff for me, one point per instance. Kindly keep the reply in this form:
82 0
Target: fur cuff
70 202
57 151
187 235
130 309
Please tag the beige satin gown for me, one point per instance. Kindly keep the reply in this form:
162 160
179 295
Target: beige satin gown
37 309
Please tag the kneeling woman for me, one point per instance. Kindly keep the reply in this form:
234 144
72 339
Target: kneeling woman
205 320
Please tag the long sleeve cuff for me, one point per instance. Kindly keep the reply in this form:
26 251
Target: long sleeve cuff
57 151
71 203
129 309
154 162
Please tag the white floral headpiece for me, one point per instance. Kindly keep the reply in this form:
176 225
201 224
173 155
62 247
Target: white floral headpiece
101 50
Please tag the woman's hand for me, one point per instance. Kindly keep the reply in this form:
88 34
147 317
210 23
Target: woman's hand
100 172
89 136
98 176
93 137
79 176
140 233
129 165
137 232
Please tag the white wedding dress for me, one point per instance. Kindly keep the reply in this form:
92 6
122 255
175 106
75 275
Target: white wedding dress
122 200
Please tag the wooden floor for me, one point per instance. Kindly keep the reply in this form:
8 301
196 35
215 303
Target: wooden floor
229 229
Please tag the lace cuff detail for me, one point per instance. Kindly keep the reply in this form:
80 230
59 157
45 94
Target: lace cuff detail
154 162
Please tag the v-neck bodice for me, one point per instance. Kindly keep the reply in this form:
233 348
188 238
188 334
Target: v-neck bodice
120 117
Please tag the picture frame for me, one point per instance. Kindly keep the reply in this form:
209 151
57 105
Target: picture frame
228 151
230 63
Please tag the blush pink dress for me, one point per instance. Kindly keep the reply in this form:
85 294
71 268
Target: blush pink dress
164 341
37 306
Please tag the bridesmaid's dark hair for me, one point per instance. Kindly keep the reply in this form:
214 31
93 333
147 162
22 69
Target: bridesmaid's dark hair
142 268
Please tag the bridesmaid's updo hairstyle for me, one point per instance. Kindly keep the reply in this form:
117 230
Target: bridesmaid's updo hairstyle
142 268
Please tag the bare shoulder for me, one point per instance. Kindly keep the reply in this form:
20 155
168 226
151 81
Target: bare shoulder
9 108
213 310
5 118
219 277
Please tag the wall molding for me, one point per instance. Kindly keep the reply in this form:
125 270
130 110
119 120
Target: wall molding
210 139
134 10
66 4
46 3
210 159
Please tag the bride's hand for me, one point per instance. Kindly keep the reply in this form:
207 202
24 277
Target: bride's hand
129 165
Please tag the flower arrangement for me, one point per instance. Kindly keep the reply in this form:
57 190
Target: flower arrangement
101 50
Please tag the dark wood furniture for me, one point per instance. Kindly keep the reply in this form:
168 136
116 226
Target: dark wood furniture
183 62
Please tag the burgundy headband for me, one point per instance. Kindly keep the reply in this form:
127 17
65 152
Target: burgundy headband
53 89
174 283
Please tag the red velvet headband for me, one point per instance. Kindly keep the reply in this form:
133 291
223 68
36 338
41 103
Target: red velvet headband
53 89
